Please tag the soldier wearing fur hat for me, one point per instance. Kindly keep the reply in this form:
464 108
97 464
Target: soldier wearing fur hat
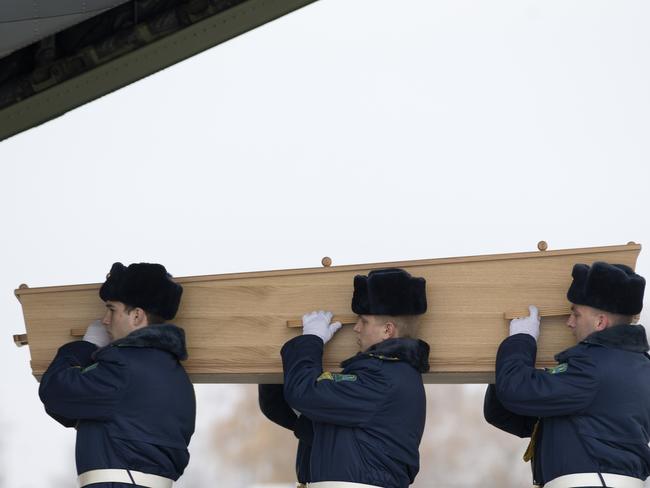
123 387
367 420
589 416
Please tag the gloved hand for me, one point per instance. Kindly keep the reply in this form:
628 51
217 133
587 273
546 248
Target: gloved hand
97 334
526 325
318 324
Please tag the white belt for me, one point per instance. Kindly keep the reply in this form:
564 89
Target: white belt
339 484
122 476
592 479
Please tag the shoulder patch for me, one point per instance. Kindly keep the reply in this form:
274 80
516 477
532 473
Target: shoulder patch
336 377
89 368
560 368
382 357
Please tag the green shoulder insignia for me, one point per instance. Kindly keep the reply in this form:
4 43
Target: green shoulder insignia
89 368
382 357
336 377
345 377
560 368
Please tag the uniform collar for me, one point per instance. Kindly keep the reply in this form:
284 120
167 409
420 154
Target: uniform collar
630 338
627 337
167 337
413 351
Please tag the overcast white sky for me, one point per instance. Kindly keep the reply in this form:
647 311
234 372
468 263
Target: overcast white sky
366 130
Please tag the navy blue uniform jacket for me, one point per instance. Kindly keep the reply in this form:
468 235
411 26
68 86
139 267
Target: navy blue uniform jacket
368 420
277 410
132 403
594 407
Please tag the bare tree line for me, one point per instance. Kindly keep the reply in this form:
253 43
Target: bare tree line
459 449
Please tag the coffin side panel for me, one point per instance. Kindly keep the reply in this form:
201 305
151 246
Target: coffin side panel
236 325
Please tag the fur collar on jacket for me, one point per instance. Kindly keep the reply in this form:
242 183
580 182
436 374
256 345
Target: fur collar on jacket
413 351
167 337
627 337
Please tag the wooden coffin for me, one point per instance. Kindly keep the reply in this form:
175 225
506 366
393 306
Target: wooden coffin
237 323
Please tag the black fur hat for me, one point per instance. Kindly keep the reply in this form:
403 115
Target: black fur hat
389 292
143 285
614 288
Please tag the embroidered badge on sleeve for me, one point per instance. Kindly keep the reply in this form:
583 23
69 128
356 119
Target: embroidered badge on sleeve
560 368
336 377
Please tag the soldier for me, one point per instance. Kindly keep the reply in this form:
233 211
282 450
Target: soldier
589 416
123 387
368 420
277 410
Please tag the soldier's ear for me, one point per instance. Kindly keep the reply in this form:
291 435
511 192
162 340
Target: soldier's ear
140 317
602 321
390 330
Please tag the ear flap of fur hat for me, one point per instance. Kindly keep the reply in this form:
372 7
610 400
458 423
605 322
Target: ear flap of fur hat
143 285
360 303
614 288
389 292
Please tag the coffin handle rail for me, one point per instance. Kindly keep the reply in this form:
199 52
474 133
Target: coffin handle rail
20 340
344 319
543 312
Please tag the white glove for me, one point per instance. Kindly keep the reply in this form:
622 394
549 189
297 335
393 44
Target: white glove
526 325
97 334
318 324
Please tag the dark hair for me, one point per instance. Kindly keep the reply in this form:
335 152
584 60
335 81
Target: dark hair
152 318
620 319
406 325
